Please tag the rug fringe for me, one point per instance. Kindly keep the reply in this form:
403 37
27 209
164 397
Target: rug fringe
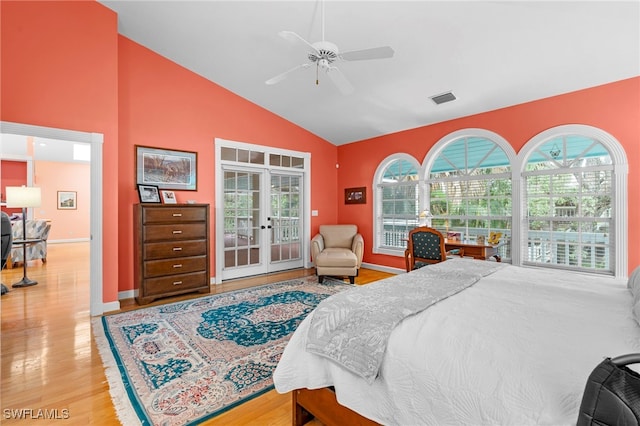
124 410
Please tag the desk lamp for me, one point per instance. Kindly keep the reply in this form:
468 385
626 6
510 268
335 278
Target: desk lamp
23 197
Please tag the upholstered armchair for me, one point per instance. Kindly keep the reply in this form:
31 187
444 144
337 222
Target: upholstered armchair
425 246
36 229
337 251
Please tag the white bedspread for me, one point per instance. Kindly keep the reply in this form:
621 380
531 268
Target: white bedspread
515 348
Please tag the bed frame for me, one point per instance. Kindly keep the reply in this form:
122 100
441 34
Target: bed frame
323 405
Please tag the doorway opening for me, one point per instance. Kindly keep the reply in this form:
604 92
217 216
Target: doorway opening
57 138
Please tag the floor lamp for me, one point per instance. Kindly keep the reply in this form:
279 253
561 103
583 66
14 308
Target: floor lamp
23 197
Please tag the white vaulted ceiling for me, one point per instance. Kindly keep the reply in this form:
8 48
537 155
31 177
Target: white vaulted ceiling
491 54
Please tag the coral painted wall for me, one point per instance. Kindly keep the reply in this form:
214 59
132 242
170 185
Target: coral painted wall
59 69
12 173
614 108
155 111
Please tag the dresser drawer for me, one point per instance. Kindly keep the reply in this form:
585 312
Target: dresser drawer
179 265
171 249
174 214
176 231
175 283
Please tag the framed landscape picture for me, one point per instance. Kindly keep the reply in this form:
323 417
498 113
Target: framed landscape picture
165 168
67 200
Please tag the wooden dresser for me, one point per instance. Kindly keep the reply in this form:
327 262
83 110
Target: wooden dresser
171 250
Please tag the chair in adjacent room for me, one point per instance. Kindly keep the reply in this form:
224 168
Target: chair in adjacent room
425 246
337 251
7 240
36 229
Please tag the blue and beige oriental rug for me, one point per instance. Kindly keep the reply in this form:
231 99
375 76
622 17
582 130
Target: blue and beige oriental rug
185 362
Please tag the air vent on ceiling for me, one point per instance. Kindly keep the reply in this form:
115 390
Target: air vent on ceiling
445 97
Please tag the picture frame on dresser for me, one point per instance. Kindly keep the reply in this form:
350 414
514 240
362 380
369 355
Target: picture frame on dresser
168 197
148 194
166 168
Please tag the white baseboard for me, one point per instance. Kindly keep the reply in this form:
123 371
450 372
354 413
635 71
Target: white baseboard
383 268
111 306
127 294
69 240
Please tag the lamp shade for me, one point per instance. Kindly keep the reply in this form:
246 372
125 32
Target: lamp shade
23 196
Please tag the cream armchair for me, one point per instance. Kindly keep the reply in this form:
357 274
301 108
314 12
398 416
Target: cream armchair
337 251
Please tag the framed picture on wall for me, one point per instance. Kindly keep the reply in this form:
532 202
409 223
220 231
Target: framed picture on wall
67 200
355 195
165 168
149 194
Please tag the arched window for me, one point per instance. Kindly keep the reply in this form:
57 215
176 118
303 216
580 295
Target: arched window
396 203
469 186
569 197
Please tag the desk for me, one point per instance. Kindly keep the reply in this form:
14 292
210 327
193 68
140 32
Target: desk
477 251
25 282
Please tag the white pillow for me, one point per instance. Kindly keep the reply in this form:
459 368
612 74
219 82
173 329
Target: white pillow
634 285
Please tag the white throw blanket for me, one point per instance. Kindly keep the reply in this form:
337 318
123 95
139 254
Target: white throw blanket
352 328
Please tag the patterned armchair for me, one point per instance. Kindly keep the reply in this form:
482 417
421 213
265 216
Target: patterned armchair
35 229
425 246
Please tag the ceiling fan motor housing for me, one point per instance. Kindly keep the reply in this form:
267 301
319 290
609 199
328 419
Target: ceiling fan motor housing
326 54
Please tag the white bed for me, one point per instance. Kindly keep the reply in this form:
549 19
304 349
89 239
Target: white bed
514 348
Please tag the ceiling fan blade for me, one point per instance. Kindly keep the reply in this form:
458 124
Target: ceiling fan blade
364 54
341 82
295 38
278 78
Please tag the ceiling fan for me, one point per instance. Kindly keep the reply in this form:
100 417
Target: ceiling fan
323 54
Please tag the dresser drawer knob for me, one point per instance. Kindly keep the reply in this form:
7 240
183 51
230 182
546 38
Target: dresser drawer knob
177 232
177 282
177 249
177 215
178 265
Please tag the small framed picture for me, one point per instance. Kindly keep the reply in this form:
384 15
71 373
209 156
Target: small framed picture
355 195
148 194
168 197
67 200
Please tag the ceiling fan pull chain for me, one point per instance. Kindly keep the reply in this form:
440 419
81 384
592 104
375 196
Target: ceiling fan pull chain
317 72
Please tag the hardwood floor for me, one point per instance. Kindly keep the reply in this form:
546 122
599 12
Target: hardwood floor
49 360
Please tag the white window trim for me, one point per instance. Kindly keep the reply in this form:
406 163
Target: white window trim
377 200
434 152
620 188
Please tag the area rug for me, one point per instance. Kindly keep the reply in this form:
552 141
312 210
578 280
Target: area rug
186 362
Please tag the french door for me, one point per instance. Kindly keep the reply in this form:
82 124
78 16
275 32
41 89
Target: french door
263 224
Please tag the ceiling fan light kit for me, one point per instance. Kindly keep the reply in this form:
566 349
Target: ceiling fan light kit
324 54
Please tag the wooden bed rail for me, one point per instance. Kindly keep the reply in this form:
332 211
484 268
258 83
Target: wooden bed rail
323 405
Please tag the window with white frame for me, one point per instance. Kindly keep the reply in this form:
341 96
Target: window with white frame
396 203
569 192
470 190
